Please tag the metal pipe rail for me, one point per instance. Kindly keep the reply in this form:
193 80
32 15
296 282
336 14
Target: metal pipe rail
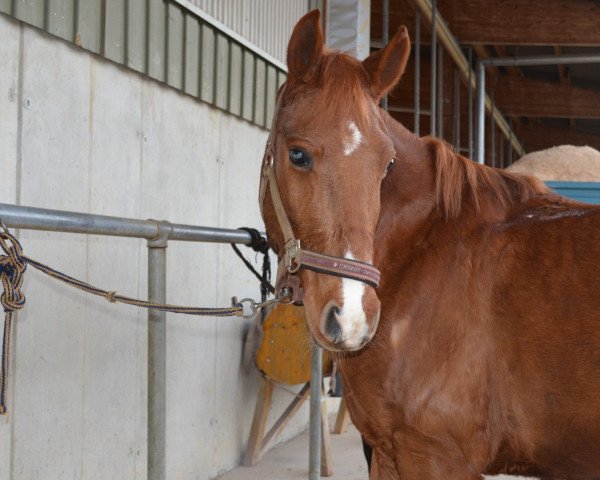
32 218
157 234
515 61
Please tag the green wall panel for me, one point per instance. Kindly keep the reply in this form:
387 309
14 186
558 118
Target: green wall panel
169 42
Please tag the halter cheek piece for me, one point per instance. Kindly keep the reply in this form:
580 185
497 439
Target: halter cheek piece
293 257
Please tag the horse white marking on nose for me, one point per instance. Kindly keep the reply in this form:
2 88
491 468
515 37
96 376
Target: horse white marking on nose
352 318
355 139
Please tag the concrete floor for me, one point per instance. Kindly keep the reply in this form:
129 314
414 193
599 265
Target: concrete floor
290 461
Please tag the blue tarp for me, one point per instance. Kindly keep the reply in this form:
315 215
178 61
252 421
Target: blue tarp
588 192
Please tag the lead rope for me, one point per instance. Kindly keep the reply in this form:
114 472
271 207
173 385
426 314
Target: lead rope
12 268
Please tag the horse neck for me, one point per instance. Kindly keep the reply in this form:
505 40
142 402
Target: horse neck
407 194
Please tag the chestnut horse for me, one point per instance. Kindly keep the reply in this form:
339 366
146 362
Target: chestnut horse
479 352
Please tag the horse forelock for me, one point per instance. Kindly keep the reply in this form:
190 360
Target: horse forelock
338 88
456 175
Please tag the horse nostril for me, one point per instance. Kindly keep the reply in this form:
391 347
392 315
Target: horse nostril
333 329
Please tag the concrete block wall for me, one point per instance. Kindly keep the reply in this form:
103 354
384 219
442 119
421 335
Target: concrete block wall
80 133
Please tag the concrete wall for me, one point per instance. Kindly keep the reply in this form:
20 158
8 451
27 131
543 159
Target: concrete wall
80 133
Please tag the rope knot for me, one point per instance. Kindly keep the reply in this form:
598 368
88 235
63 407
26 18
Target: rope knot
12 269
258 243
110 296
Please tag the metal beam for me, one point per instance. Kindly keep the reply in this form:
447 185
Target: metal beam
516 61
453 48
541 60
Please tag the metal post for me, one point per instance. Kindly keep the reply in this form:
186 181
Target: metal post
456 110
157 347
385 34
417 121
470 102
480 113
316 380
432 119
440 93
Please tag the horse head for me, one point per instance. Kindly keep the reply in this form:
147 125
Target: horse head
328 153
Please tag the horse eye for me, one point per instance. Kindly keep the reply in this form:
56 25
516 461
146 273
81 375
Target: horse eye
300 158
388 168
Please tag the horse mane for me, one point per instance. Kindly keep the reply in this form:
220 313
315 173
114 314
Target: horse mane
455 175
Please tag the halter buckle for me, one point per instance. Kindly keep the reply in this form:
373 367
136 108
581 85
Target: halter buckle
291 256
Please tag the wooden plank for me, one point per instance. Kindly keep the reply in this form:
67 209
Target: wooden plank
564 75
286 416
342 419
523 22
326 458
259 422
175 40
540 137
530 98
502 51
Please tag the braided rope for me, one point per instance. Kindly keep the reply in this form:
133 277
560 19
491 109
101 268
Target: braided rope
12 268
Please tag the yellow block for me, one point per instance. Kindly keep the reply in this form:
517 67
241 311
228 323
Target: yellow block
284 352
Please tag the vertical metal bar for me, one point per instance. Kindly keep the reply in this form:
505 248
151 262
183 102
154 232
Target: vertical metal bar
157 292
417 121
316 374
157 351
480 113
440 93
456 101
432 119
501 151
470 102
385 35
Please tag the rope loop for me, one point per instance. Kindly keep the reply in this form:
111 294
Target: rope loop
12 270
258 243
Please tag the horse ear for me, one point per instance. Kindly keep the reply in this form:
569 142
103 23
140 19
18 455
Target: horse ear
386 66
305 46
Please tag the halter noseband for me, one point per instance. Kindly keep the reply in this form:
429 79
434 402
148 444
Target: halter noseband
293 258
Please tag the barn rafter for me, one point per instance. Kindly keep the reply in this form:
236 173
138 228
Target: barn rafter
546 105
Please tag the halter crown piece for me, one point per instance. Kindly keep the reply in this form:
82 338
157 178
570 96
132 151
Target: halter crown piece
293 257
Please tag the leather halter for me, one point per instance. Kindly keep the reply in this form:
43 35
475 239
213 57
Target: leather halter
293 258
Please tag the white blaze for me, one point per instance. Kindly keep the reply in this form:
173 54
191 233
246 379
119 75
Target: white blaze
354 140
352 318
